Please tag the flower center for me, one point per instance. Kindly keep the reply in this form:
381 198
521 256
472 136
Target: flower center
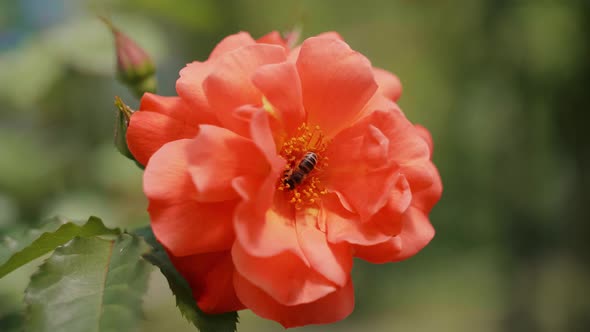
305 162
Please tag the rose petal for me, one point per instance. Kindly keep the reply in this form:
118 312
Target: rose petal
229 85
262 136
425 199
274 38
419 174
284 277
159 120
294 54
426 136
416 234
389 84
265 229
217 156
190 227
344 226
210 276
330 308
332 260
360 165
166 177
177 219
264 220
406 147
336 83
170 106
389 218
331 35
379 103
380 253
189 87
190 84
231 43
280 85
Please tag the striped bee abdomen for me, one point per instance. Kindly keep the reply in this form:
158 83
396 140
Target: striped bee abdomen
304 167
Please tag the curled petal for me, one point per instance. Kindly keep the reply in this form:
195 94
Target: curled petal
269 235
333 307
294 54
280 85
345 226
361 168
407 148
331 35
265 223
262 136
426 136
210 276
389 218
284 277
379 103
416 233
190 88
389 84
332 260
229 85
241 118
380 253
159 120
425 199
274 38
217 156
170 106
166 179
336 83
231 43
177 218
420 175
190 84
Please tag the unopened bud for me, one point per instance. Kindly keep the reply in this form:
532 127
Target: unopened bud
135 68
123 116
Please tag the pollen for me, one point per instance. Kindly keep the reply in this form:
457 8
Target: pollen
300 183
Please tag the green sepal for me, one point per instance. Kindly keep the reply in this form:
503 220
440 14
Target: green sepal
123 116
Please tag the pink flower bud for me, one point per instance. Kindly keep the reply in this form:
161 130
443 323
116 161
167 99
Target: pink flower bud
135 68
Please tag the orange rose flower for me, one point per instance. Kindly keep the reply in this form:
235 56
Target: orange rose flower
273 168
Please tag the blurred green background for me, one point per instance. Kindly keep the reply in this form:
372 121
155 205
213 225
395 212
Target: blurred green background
502 85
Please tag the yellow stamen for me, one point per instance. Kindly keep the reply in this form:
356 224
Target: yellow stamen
308 192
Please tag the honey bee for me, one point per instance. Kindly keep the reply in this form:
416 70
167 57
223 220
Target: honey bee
294 176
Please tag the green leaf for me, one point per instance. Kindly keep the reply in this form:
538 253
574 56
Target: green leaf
90 284
13 322
48 241
16 237
182 291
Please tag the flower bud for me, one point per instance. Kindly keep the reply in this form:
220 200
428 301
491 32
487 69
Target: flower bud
124 113
134 66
